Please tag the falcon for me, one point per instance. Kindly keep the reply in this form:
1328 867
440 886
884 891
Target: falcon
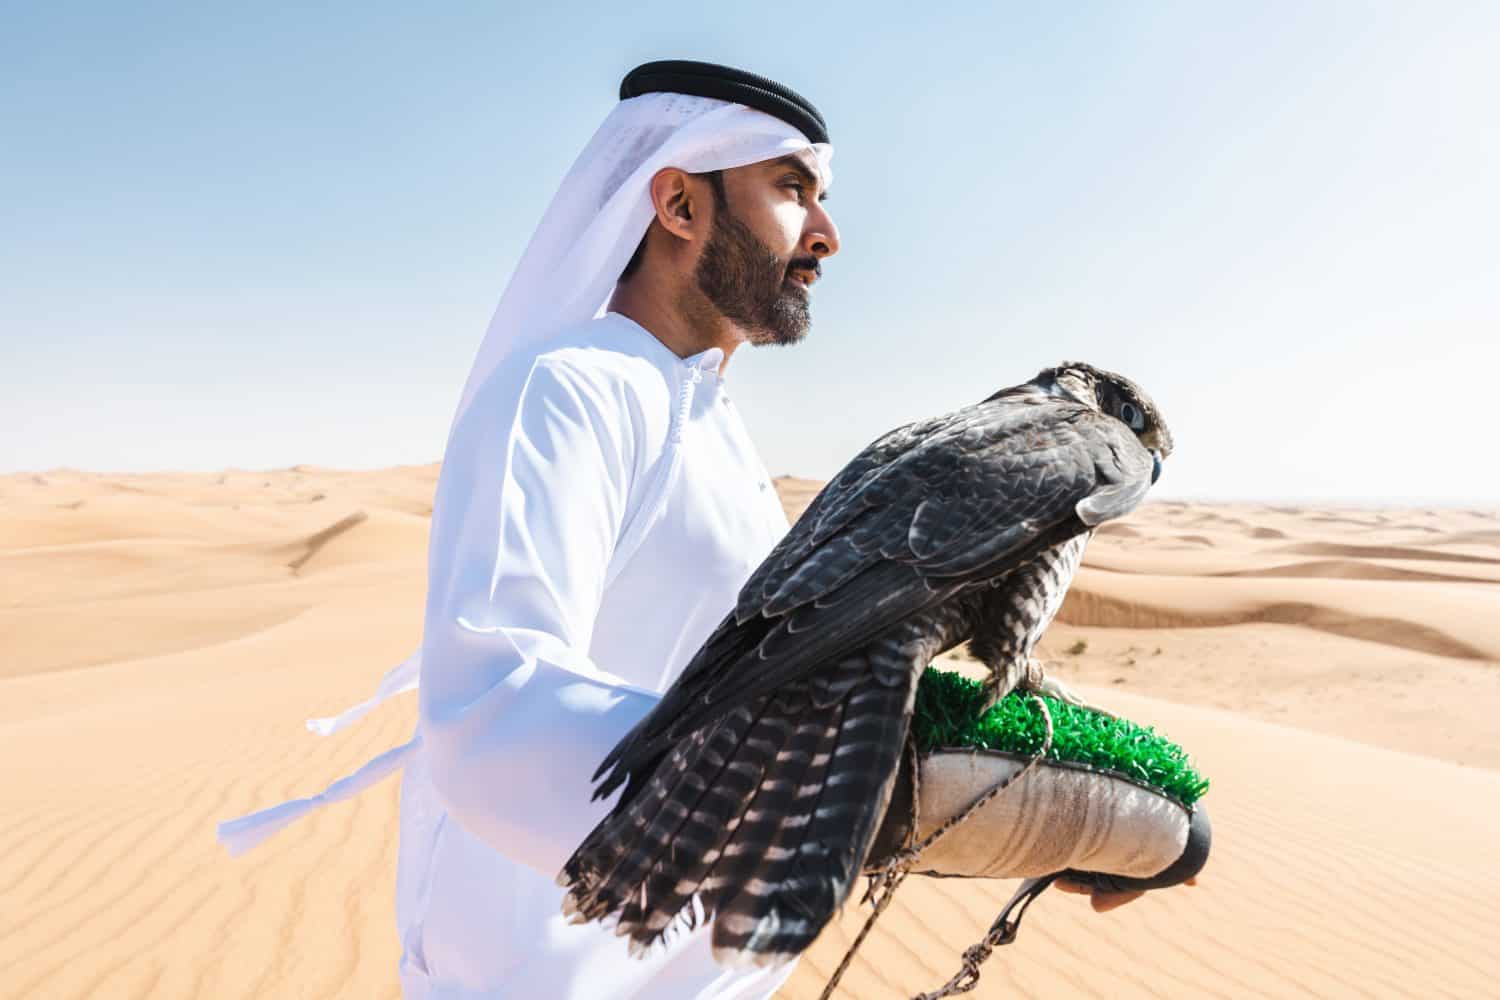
755 786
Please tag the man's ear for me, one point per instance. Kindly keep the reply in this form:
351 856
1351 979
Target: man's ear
678 205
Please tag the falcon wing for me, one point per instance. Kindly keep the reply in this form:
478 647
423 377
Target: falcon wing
757 782
924 512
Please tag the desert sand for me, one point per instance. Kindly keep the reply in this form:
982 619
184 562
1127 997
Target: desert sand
1334 671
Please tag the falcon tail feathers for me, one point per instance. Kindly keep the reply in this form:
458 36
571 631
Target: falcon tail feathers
763 818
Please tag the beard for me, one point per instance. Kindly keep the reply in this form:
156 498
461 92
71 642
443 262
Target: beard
751 285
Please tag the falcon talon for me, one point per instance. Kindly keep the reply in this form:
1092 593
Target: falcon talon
1054 688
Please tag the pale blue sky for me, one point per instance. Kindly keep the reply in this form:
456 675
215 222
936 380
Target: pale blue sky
252 235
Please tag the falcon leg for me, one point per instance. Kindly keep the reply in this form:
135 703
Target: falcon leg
999 683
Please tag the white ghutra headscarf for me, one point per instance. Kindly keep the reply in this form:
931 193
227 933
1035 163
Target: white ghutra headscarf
565 277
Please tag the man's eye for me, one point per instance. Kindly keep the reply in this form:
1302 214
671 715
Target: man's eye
800 188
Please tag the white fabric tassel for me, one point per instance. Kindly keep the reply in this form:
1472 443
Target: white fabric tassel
239 835
401 678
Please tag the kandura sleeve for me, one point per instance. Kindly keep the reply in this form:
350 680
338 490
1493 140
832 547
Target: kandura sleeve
514 715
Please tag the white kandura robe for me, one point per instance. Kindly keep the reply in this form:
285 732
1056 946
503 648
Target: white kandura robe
634 509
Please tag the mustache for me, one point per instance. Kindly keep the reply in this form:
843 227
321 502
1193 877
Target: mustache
805 264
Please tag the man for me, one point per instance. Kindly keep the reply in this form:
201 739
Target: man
632 507
599 506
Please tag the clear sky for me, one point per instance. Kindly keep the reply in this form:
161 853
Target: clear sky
254 235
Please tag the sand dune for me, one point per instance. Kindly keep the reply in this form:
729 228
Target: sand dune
1352 569
1383 552
1333 671
1239 562
1490 538
1455 622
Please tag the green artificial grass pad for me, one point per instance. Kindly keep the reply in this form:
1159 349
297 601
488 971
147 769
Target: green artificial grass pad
947 715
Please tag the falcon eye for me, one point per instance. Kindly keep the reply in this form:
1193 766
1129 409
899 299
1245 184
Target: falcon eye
1132 415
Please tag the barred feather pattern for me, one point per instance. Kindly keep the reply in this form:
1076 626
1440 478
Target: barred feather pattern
1013 616
764 817
753 790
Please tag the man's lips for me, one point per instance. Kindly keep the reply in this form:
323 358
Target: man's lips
805 276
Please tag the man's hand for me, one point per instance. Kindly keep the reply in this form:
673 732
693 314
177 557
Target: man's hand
1103 902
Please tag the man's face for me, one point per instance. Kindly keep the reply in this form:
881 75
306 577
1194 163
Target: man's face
770 231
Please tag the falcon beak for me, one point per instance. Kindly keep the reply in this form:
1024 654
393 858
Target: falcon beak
1155 467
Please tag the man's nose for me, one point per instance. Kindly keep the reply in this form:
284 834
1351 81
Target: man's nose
821 237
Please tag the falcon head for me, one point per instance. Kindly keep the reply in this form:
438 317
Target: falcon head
1114 396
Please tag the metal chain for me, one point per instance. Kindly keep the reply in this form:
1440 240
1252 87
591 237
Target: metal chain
1002 931
893 871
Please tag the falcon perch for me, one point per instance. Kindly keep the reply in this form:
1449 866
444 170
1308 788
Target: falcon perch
758 782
